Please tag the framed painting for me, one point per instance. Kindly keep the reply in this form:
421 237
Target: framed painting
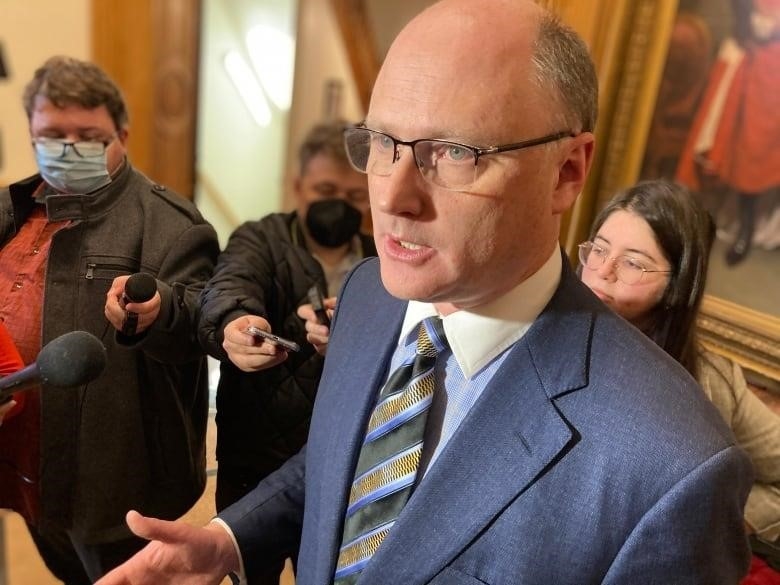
639 59
681 107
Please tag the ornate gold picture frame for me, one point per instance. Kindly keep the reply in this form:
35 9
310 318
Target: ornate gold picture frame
630 83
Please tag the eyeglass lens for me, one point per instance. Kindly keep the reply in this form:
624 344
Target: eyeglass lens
58 148
446 164
626 270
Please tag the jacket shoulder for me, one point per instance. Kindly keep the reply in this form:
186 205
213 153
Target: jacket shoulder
156 192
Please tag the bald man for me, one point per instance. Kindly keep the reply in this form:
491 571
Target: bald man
549 450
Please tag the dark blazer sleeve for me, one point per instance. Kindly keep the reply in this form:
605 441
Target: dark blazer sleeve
267 522
245 270
185 269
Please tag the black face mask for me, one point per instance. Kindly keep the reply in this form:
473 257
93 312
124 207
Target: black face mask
332 222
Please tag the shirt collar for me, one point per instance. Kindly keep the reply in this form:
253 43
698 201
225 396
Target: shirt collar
477 336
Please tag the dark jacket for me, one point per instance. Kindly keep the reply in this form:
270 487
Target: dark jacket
263 417
134 437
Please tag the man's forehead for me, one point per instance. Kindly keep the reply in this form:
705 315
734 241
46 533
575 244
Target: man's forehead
481 117
323 165
43 104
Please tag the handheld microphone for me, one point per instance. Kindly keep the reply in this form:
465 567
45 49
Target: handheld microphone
71 359
139 288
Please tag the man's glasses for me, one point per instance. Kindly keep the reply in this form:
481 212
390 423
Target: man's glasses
628 270
56 147
447 164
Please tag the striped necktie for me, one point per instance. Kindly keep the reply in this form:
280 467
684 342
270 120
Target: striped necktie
390 455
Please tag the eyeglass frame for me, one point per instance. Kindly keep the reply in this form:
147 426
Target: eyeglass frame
44 140
477 151
590 244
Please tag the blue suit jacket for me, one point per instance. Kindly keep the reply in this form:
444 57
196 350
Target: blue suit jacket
591 457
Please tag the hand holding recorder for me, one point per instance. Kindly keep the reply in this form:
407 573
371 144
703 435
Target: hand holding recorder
317 314
251 346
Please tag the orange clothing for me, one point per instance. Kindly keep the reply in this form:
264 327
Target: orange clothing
740 101
10 362
22 274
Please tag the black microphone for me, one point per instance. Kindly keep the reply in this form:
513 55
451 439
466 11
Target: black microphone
71 359
139 288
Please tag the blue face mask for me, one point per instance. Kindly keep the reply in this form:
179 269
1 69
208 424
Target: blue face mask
72 173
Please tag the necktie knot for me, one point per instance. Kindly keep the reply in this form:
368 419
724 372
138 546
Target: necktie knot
431 339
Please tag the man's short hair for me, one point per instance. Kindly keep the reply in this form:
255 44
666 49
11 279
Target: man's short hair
326 138
563 64
66 81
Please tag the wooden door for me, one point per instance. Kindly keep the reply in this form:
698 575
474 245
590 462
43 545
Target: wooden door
150 48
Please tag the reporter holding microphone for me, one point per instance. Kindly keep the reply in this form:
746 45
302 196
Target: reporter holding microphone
71 237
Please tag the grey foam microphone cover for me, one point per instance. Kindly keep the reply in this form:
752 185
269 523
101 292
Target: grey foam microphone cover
71 359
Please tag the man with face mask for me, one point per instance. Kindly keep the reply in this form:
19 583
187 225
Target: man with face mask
266 393
70 238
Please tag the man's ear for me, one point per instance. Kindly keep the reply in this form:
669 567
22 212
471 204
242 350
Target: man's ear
295 188
573 171
122 134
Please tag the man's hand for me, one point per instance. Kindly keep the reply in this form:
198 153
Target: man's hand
116 311
317 334
178 553
245 351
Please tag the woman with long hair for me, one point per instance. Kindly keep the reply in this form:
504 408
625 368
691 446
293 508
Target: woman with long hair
647 259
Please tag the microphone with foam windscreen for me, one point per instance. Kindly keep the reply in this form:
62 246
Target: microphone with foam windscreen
71 359
139 288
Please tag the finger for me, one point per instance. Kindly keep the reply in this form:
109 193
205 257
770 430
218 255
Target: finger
155 529
146 306
320 330
252 347
239 337
256 363
118 285
114 317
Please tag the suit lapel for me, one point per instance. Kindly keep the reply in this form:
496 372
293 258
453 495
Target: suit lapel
510 437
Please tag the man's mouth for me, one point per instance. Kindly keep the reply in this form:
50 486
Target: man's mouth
409 245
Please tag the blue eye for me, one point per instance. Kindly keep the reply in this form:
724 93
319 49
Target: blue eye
447 152
457 153
383 142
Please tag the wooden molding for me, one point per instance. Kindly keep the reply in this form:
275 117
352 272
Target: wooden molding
360 44
750 338
151 50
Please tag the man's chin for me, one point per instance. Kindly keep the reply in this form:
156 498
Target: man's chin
406 287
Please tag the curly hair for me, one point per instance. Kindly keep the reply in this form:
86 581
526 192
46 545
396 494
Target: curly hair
325 138
67 81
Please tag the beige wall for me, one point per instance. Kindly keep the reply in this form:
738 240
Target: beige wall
30 32
320 56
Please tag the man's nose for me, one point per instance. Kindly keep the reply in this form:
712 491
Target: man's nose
402 191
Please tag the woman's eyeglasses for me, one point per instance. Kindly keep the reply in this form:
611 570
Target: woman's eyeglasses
628 270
